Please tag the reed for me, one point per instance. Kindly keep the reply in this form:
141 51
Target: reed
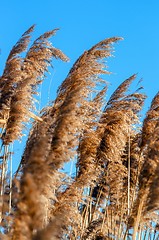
113 193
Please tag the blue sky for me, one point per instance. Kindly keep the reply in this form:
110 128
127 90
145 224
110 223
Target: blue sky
82 24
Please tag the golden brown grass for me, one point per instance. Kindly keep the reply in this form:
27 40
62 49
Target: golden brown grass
114 193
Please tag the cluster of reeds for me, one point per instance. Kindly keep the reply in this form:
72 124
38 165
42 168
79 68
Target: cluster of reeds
112 191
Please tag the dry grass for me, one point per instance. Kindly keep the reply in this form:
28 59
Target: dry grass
114 193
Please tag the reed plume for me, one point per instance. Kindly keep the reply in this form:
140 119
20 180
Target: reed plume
35 64
33 67
147 175
117 120
112 191
12 73
82 78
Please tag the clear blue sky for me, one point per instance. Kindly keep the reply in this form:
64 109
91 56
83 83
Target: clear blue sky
85 22
82 24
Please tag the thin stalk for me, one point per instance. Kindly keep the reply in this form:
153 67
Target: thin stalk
138 218
4 168
129 173
118 236
3 175
10 183
121 232
86 216
144 238
140 233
